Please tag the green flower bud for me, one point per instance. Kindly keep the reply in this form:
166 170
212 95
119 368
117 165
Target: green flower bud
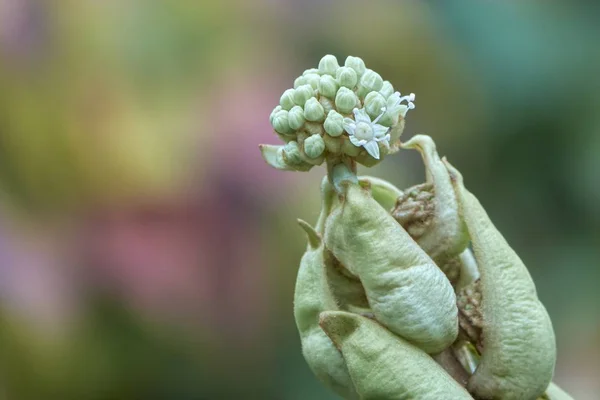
299 82
395 272
357 64
328 86
275 111
313 110
347 77
327 104
291 153
328 65
387 89
302 94
296 117
313 80
374 104
519 351
314 146
280 122
287 99
334 124
350 149
310 71
370 81
345 100
384 366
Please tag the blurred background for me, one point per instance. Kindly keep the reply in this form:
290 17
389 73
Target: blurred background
147 251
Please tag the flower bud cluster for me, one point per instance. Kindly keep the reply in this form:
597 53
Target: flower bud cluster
337 111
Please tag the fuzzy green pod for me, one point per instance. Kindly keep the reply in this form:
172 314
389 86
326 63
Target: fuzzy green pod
311 297
296 117
334 124
383 366
357 64
347 77
519 348
328 65
345 100
328 86
313 110
396 273
302 94
430 212
314 146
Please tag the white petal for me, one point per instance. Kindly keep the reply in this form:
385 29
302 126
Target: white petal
379 130
361 115
357 142
393 100
385 138
349 125
372 148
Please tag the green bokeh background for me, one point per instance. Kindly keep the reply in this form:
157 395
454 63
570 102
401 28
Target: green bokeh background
147 252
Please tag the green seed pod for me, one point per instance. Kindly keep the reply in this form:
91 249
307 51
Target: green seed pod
334 124
313 110
357 64
345 100
519 348
347 77
302 94
383 366
311 297
429 212
296 117
313 80
280 122
370 81
328 86
328 65
287 99
374 104
314 146
387 89
395 272
300 81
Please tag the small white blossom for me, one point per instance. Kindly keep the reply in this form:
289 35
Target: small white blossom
366 133
395 103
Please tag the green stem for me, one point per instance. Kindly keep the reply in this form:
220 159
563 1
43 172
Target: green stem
341 172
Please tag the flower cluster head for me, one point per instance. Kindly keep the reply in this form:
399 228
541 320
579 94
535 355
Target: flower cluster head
337 112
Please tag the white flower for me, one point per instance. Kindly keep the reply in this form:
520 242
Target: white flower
366 133
395 100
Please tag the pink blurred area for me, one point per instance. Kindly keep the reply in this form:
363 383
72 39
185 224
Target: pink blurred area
130 173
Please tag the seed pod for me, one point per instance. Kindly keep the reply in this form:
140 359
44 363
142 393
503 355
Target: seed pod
311 297
519 349
383 366
396 273
429 212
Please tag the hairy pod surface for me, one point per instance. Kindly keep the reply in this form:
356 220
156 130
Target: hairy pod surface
445 235
519 349
311 297
407 292
383 366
